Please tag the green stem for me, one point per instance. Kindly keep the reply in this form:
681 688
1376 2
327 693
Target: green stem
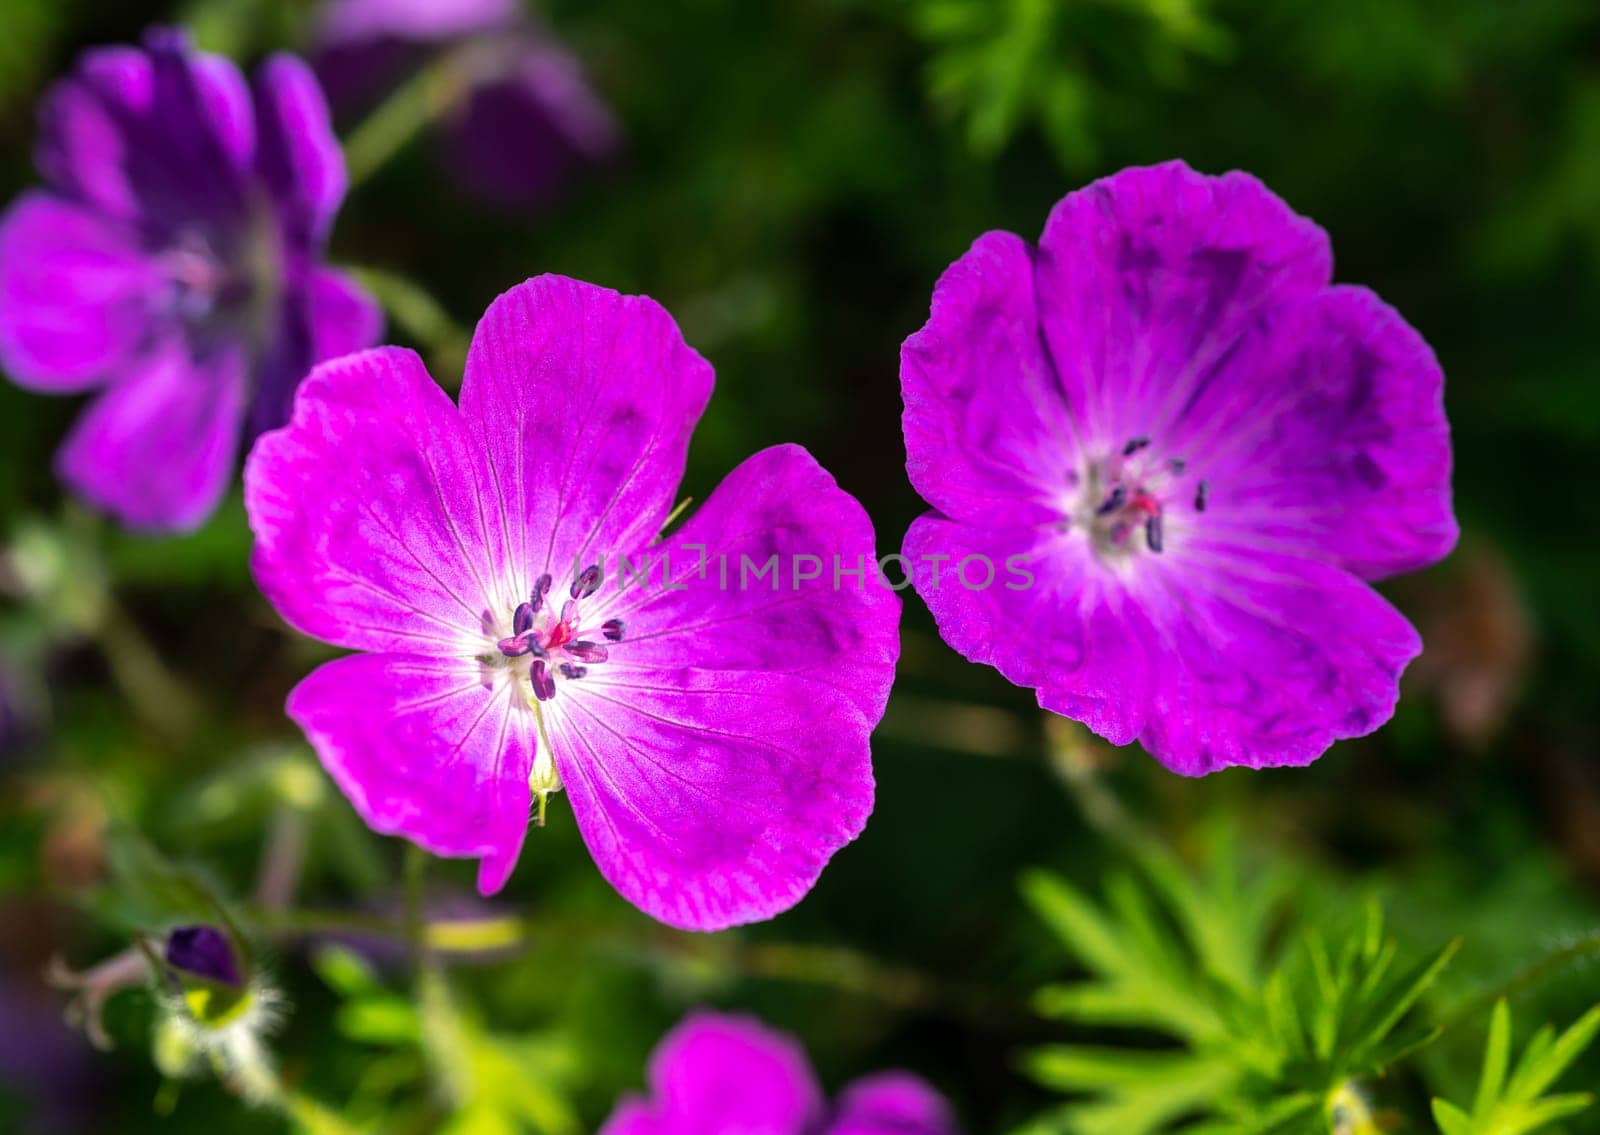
842 969
415 926
419 102
136 666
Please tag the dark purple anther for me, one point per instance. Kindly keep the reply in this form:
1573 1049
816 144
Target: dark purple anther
1112 502
612 629
1177 465
1200 497
204 952
1134 446
568 670
569 612
515 646
587 583
544 686
586 651
522 618
1152 532
541 588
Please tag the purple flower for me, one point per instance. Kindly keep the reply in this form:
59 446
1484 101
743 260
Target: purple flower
731 1075
528 120
175 259
527 630
1181 453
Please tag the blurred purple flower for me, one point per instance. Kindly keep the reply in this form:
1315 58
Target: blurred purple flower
731 1075
713 737
528 119
175 258
1199 450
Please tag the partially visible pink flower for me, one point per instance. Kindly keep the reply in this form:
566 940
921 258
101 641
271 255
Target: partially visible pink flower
175 259
731 1075
1196 452
710 732
529 120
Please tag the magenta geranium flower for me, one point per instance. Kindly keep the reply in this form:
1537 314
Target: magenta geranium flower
731 1075
175 259
1165 458
527 629
529 119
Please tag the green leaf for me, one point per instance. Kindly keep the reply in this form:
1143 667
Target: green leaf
1255 1038
1517 1106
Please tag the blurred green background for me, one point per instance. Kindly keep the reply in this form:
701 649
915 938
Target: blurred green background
797 174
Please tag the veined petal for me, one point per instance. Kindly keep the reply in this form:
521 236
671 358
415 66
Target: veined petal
1332 441
891 1103
1031 603
1260 659
1149 279
432 749
376 527
989 427
297 155
716 1074
720 757
157 449
583 400
75 294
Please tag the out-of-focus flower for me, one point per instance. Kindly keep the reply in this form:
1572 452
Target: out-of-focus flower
175 258
523 118
1175 455
731 1075
1480 643
529 631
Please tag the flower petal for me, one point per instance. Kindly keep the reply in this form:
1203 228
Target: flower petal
359 21
1035 607
426 748
634 1117
719 1073
344 316
1148 279
1261 659
75 292
519 140
297 155
1333 442
988 427
153 135
328 317
375 525
584 401
157 449
891 1103
720 757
